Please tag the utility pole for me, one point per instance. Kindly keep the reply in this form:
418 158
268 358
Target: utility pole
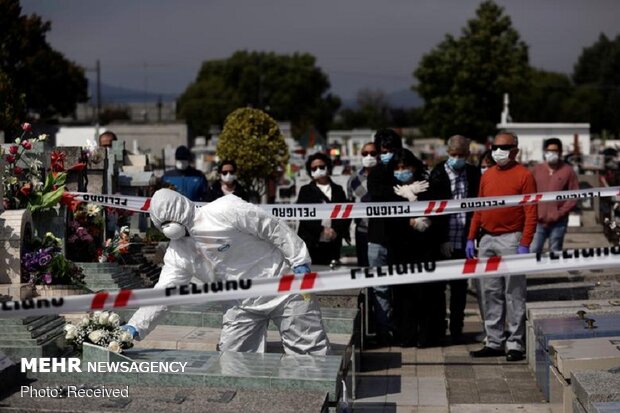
98 69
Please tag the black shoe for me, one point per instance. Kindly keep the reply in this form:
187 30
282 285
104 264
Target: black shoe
487 352
515 355
457 338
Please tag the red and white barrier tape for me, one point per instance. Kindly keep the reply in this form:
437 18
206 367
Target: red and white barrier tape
315 282
373 209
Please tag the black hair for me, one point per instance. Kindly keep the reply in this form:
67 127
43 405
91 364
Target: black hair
553 141
227 162
321 156
489 158
407 158
388 138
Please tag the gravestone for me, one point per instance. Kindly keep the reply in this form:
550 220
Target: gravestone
592 387
15 230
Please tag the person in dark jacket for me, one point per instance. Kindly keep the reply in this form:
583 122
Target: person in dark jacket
184 178
454 179
228 183
322 237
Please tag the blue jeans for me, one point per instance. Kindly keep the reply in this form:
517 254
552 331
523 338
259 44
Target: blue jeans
554 232
380 296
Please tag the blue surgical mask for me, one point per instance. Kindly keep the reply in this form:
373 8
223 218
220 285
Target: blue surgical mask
456 163
403 176
386 157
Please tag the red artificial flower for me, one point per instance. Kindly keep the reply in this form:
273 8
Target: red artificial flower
13 149
70 201
10 158
25 190
17 170
26 127
78 167
58 161
27 145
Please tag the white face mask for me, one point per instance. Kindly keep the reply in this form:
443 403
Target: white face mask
228 178
173 230
181 164
319 173
552 157
501 157
483 169
369 161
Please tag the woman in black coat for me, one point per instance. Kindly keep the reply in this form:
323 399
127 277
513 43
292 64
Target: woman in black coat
322 237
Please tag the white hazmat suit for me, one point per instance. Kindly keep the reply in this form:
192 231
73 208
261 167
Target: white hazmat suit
229 239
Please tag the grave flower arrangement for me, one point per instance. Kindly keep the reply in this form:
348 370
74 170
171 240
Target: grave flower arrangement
101 328
45 264
115 248
84 232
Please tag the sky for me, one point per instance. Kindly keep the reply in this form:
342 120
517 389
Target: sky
157 46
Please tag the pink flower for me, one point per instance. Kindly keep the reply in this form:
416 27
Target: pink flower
10 158
17 170
27 145
13 149
47 278
26 127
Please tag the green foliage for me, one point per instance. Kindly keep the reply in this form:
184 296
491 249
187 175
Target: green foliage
42 80
463 79
288 87
253 140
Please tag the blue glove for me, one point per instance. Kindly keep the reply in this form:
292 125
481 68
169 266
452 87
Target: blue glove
470 249
131 330
523 250
301 269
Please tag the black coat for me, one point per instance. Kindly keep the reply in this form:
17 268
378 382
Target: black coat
215 192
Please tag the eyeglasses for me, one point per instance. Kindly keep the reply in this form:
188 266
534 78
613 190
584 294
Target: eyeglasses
502 147
314 168
227 172
371 153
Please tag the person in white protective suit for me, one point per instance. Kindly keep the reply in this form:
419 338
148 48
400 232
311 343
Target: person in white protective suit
229 239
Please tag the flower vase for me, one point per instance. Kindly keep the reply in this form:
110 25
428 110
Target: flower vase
51 220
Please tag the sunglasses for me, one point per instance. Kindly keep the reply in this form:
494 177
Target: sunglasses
228 172
502 147
314 168
371 153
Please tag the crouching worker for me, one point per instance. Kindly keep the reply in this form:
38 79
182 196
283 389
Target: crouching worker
230 239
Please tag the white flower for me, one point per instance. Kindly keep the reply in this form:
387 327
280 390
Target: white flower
95 336
125 337
92 210
103 317
96 315
84 321
114 319
43 137
114 346
71 331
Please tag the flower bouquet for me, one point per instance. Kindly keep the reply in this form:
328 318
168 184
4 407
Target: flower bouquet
84 232
115 248
101 328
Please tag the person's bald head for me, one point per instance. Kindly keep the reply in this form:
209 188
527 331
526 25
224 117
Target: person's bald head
106 139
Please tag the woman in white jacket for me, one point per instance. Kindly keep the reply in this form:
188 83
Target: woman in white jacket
229 239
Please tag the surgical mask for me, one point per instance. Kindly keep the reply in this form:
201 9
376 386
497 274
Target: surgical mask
501 157
456 163
552 157
386 157
483 170
319 173
173 230
228 178
403 176
369 161
181 164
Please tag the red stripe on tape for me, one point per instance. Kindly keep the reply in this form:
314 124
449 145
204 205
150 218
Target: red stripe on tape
470 265
525 199
442 206
347 211
493 263
99 300
538 197
122 298
429 208
285 282
335 211
308 281
147 205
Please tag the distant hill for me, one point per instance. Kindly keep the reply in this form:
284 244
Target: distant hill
114 94
404 98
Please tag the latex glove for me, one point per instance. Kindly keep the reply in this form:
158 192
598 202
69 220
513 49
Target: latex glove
421 224
418 187
446 249
328 234
523 250
131 330
470 249
405 192
302 269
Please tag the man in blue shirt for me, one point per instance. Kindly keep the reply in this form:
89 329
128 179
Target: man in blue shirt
186 179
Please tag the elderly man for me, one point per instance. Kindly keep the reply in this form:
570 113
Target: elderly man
505 231
230 239
454 179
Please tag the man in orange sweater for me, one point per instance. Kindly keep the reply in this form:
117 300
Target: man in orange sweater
505 231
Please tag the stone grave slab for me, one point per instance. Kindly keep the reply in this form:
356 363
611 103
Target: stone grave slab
595 386
612 407
38 336
567 329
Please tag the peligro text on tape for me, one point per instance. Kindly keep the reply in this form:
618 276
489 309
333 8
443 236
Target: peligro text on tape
374 209
314 282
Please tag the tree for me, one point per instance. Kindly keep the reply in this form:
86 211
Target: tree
34 78
597 77
253 140
463 79
288 87
373 111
